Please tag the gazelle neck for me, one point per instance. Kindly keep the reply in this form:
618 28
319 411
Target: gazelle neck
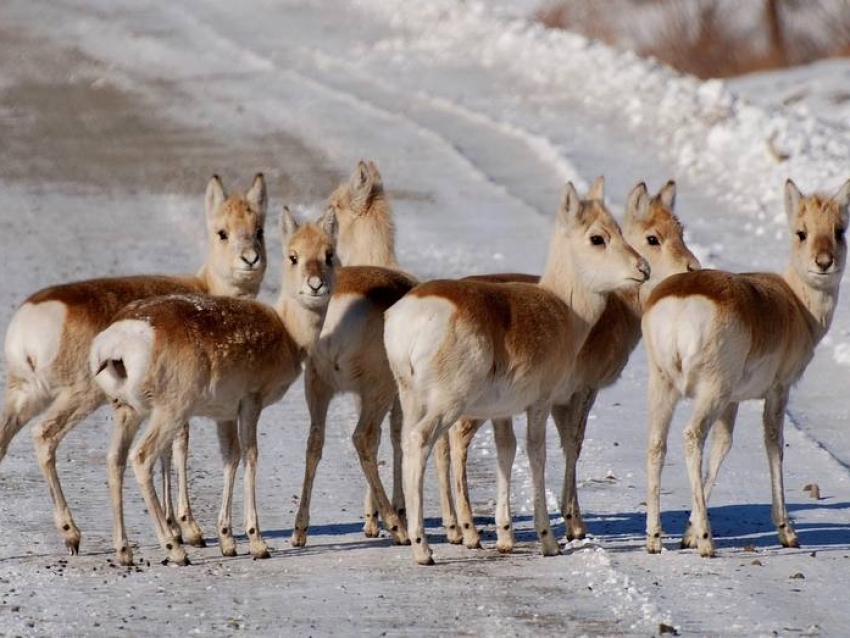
560 277
371 239
303 324
215 285
820 303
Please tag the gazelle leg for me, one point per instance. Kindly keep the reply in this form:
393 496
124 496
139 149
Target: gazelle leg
228 443
721 442
249 415
66 411
536 446
774 442
571 421
707 408
396 421
161 430
442 464
190 530
503 431
460 438
366 437
662 399
319 395
126 423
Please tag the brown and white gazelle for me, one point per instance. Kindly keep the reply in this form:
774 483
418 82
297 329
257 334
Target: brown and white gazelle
350 356
49 337
481 350
178 356
651 227
720 338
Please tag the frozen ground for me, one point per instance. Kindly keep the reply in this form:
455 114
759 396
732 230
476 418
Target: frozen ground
112 116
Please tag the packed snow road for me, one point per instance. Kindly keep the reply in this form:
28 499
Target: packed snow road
112 117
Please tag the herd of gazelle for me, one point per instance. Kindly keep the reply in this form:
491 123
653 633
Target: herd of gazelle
439 357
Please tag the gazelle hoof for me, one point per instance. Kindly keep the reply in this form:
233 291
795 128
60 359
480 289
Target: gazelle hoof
193 535
125 556
453 535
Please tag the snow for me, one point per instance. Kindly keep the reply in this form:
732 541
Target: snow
476 118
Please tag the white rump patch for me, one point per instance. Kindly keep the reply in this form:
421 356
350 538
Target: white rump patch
679 330
131 342
413 333
34 337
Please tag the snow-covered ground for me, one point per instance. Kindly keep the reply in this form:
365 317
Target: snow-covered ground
114 113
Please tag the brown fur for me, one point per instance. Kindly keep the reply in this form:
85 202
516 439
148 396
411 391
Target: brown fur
760 303
600 360
227 334
382 287
524 322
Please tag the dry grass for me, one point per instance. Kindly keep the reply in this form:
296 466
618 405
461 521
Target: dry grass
712 38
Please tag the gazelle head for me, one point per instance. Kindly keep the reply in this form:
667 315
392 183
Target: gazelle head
237 254
818 224
652 228
309 259
366 230
588 243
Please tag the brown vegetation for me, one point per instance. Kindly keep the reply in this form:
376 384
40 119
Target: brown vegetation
712 38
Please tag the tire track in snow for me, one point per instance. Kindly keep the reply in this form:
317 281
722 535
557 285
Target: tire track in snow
359 101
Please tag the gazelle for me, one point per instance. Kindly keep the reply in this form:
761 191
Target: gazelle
652 228
720 338
483 350
50 335
178 356
350 356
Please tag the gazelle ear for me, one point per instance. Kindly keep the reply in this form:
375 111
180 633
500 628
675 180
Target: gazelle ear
376 174
667 195
842 197
215 196
288 225
570 208
328 222
637 204
256 195
360 187
597 189
793 196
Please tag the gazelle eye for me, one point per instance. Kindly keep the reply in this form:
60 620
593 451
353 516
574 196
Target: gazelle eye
222 235
597 240
329 259
293 259
839 233
652 240
801 235
260 235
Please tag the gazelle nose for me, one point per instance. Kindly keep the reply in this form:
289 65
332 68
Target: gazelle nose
824 261
643 267
250 257
315 283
